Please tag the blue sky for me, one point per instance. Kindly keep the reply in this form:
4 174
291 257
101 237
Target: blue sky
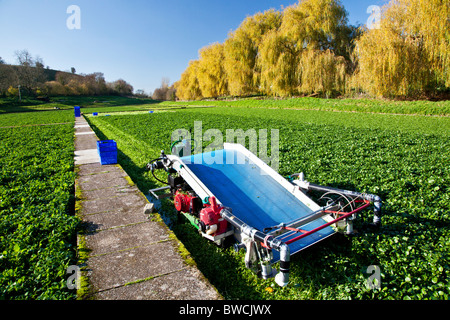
135 40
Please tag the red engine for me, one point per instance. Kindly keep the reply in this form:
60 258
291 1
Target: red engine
211 221
183 202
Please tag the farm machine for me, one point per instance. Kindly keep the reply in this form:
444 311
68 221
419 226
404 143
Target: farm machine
232 194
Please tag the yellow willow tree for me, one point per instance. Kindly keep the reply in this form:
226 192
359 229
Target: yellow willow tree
312 44
188 87
278 60
320 30
322 71
433 23
318 25
409 53
241 50
211 72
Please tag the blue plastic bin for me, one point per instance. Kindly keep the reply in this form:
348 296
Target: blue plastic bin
77 111
107 150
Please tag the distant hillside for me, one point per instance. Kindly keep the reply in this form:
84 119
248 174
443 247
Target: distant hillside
50 74
45 81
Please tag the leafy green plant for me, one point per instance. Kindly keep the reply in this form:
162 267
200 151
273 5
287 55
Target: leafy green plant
349 105
36 118
402 159
37 226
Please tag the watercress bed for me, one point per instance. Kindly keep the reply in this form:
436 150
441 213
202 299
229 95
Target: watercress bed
404 159
37 226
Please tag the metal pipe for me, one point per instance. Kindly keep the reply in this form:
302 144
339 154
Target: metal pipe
249 231
346 215
313 216
282 278
376 200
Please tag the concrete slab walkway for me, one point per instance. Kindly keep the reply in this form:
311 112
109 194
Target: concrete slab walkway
132 257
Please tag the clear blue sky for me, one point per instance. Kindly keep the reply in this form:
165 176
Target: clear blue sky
140 41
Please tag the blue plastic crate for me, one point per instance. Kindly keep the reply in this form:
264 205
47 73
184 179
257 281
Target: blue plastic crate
106 145
77 110
108 157
107 150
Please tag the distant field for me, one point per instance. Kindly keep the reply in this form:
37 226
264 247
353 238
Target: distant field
88 104
356 105
109 104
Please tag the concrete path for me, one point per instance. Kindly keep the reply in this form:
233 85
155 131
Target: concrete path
133 256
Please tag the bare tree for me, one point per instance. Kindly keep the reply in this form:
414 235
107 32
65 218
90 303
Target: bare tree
39 62
30 72
165 92
158 94
165 83
171 94
95 83
121 87
24 58
141 93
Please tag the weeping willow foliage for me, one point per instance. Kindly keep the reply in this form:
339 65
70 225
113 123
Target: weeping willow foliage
211 72
241 50
309 47
306 54
322 71
188 87
278 60
240 54
434 23
409 53
317 25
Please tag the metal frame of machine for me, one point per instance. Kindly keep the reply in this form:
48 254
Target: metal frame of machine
216 222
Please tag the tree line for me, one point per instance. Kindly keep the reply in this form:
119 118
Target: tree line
30 78
309 48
